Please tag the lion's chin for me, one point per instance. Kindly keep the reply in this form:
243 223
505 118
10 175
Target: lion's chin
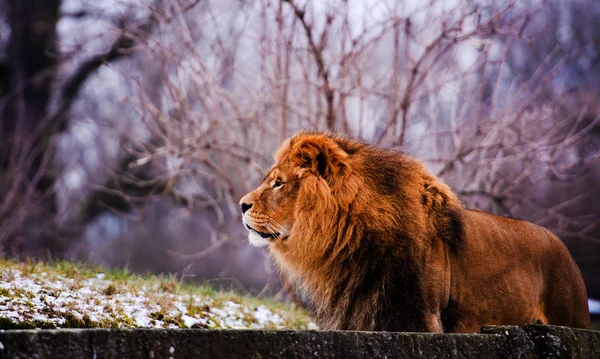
256 240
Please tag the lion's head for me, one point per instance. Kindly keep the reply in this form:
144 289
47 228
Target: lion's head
267 211
307 168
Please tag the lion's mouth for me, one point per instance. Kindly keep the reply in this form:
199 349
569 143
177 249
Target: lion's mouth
263 234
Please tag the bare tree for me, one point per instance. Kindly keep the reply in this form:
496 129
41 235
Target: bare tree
30 123
432 80
500 100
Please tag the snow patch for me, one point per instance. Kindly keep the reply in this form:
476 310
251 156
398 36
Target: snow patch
52 298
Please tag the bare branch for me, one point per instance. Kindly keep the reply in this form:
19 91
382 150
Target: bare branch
317 51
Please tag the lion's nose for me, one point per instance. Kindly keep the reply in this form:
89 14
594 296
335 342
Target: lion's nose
245 207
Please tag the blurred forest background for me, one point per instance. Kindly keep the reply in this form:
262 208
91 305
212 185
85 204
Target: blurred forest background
131 128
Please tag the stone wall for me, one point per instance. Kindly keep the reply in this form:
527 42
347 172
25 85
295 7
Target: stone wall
534 341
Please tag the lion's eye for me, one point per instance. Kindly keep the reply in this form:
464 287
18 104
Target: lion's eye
278 183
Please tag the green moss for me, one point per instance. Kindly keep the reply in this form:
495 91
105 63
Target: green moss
110 323
197 310
213 323
29 304
71 321
7 323
21 293
249 318
157 315
41 324
176 321
124 320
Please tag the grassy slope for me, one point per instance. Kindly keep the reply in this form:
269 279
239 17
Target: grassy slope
67 295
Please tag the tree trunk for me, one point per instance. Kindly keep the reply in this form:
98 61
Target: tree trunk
32 59
25 131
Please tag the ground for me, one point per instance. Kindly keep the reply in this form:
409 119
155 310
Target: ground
67 295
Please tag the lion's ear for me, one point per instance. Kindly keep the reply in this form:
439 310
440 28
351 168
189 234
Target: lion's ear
321 156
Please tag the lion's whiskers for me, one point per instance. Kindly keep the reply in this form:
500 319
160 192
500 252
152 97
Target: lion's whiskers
280 228
268 227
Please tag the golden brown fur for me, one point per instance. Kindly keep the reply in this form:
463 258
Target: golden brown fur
375 242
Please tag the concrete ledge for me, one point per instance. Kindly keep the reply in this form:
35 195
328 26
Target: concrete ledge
495 342
554 342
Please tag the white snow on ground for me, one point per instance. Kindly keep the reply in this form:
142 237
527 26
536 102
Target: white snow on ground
52 298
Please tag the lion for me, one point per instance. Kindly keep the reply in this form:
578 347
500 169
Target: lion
375 242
